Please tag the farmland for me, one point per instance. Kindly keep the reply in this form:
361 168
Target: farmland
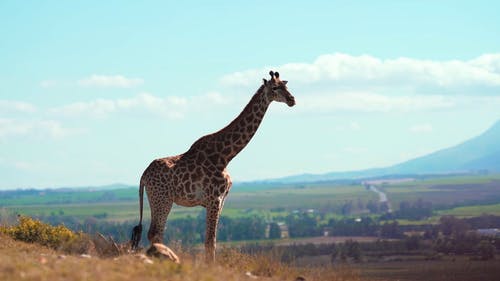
445 192
467 195
122 204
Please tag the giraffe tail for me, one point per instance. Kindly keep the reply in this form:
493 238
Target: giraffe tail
137 230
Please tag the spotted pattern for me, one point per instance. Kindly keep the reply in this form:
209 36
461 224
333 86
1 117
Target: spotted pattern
199 176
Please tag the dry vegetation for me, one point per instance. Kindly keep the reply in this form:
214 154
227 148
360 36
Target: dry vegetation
31 261
31 250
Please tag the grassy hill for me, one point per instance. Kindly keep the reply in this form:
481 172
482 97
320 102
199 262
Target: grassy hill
61 260
25 261
28 261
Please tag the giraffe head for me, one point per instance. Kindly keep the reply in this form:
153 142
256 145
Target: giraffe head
276 89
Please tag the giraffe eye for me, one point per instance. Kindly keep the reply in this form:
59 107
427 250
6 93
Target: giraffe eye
275 88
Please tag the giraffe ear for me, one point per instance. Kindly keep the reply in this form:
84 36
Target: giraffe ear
265 81
284 82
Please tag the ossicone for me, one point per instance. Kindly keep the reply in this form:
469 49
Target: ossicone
275 77
272 74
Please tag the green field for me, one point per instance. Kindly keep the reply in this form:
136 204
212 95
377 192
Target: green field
468 195
472 211
443 191
123 203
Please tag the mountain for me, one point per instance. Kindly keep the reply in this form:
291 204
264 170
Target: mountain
481 153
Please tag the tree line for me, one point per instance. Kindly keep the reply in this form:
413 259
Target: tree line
191 230
451 236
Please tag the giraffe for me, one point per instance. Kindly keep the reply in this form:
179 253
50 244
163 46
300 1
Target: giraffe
199 177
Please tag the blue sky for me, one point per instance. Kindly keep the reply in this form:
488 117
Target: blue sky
92 91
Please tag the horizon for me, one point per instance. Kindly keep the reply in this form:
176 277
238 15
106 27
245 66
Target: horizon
285 179
91 92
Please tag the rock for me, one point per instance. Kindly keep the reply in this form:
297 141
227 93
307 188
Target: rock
162 252
250 275
61 257
85 256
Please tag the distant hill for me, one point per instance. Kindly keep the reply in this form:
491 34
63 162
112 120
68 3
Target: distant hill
481 153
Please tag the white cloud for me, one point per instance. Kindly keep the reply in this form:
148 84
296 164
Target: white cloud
170 107
9 127
421 128
96 108
341 82
50 128
113 81
16 106
216 98
491 62
371 102
55 129
367 72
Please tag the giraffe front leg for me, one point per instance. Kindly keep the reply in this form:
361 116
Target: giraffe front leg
213 213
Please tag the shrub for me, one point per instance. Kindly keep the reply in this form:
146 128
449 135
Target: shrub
34 231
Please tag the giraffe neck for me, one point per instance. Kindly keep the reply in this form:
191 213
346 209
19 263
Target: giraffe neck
222 146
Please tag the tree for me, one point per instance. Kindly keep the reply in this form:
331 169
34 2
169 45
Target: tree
485 250
413 242
391 230
360 205
349 249
274 231
384 207
353 250
347 208
303 225
416 211
372 206
335 252
451 226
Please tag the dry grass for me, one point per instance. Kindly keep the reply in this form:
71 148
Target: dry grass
28 261
32 250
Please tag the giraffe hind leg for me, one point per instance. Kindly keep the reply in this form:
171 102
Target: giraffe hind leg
159 214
